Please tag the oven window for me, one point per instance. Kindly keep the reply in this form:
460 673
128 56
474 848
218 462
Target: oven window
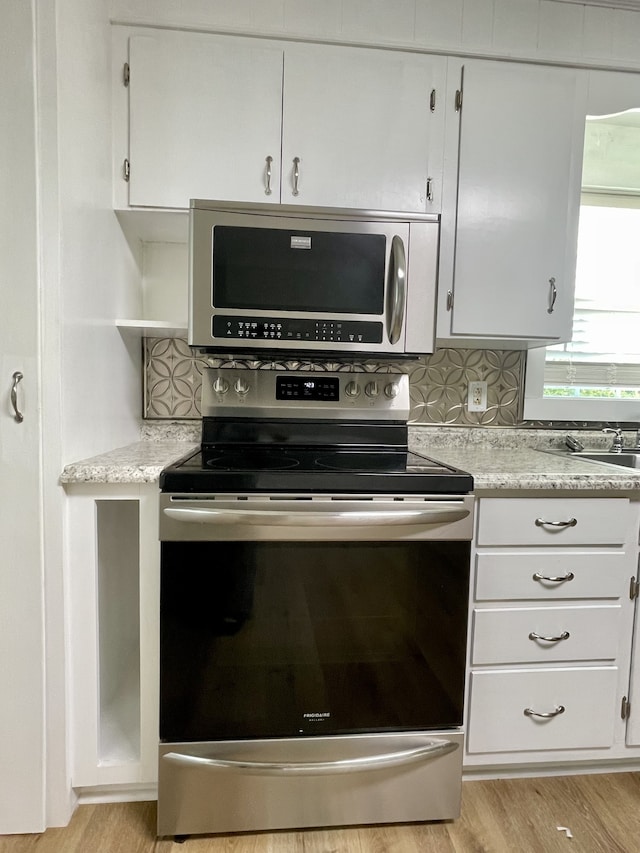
296 638
281 270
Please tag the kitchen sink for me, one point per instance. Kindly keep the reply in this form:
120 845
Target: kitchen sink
627 458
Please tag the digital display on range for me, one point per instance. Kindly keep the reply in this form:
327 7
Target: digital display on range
307 388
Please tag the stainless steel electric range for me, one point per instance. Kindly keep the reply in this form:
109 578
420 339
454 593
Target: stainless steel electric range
314 583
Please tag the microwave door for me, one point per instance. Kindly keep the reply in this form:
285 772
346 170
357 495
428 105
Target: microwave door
317 286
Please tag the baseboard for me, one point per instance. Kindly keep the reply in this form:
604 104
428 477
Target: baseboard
117 794
530 771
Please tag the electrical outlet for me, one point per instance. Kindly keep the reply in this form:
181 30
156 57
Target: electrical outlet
477 397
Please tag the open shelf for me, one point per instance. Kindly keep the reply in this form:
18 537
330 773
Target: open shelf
153 328
118 541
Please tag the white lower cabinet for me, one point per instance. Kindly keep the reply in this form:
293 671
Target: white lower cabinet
550 630
542 709
546 634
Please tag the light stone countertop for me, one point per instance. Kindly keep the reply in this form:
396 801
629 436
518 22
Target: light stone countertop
494 469
500 460
517 459
141 462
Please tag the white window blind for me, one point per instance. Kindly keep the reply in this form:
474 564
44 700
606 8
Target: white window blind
604 352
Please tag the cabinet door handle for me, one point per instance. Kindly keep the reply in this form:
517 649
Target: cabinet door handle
564 636
545 715
541 522
560 579
553 293
296 174
267 190
429 189
17 414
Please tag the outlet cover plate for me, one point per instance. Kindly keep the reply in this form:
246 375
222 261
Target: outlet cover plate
477 396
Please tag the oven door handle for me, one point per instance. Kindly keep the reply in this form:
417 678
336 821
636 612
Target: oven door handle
433 749
288 518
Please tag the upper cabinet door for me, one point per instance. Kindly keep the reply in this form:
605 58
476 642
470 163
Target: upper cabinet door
361 129
519 170
204 116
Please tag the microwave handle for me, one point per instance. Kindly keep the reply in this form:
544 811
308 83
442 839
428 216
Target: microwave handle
397 292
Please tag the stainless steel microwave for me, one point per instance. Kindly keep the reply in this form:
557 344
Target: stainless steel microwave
266 279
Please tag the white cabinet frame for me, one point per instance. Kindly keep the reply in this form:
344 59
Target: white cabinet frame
130 756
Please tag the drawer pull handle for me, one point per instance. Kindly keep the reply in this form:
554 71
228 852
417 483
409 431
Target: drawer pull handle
540 522
561 579
545 715
564 636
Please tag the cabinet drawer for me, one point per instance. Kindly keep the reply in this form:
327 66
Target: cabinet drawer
587 632
553 521
497 722
551 575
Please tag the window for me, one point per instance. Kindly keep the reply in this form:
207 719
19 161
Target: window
596 376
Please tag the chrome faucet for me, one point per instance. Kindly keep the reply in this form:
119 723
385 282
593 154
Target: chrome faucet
617 445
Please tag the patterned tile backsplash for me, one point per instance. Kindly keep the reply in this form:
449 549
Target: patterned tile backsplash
173 382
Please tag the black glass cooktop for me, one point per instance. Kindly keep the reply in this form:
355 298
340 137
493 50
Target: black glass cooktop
251 468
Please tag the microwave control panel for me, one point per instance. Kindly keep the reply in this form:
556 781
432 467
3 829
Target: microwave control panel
293 330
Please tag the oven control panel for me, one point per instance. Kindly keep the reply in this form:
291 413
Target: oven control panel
232 392
307 388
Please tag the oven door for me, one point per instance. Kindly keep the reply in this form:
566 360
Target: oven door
338 633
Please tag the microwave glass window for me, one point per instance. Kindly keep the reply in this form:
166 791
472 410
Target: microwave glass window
275 269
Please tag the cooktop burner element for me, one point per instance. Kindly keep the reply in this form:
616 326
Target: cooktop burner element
248 460
322 433
350 460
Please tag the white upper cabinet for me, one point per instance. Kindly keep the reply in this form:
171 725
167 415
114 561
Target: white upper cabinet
366 127
204 116
209 116
512 247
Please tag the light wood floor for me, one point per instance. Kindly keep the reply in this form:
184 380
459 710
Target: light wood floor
504 816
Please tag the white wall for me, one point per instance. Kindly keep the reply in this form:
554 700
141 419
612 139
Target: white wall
100 372
525 29
91 381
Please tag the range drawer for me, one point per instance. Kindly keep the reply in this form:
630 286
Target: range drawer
498 722
517 635
550 575
553 521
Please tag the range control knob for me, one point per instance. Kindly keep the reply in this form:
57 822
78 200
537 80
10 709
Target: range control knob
352 389
241 386
391 390
220 385
371 389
